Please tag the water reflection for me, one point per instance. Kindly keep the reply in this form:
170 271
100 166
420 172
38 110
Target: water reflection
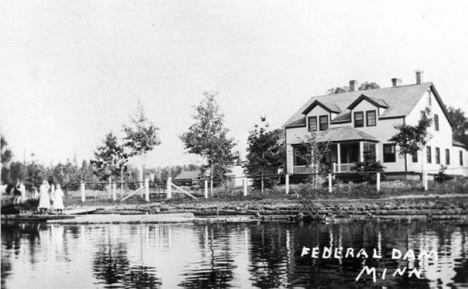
261 255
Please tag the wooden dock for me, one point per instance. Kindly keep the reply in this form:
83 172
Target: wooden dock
35 218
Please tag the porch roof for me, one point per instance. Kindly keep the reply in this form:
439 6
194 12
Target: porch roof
341 134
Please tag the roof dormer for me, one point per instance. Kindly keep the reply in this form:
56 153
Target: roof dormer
380 103
330 107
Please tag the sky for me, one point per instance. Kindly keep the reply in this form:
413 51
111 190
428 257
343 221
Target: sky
73 71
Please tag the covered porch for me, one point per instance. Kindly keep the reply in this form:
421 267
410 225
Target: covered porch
346 146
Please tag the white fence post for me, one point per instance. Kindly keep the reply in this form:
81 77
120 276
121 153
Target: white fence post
245 187
206 189
211 185
114 191
425 180
83 193
169 188
378 181
147 189
110 188
330 183
287 184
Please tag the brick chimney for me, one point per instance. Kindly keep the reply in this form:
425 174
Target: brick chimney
419 76
396 82
353 85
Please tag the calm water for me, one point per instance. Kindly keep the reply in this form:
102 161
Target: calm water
263 255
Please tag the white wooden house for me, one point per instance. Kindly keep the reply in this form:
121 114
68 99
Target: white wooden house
357 120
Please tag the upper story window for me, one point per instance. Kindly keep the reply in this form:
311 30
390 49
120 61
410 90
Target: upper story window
358 119
389 155
323 122
447 156
415 157
370 118
313 123
429 155
437 155
429 99
436 122
461 158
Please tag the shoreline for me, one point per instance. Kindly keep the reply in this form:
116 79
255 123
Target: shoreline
448 207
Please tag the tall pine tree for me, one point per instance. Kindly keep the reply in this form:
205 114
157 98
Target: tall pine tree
109 159
265 154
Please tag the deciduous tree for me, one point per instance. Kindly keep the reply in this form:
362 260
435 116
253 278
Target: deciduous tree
141 136
460 125
413 138
314 153
208 138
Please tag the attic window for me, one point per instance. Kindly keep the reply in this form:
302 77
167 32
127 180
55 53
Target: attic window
370 117
323 122
313 123
358 119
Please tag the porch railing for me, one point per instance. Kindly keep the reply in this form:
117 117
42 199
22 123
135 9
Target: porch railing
342 168
334 167
302 170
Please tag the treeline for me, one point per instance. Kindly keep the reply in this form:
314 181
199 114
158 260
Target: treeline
70 175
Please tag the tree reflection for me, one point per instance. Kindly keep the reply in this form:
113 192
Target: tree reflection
111 265
269 256
221 268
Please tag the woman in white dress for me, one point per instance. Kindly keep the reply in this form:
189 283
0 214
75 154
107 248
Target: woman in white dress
58 199
44 200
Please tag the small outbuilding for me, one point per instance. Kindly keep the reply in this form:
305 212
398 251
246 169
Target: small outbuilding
188 178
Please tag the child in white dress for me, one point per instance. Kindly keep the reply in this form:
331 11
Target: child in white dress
44 200
58 199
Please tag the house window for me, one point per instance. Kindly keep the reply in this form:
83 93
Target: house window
429 155
313 123
423 114
299 153
437 155
461 158
415 157
323 122
370 147
436 122
389 153
447 156
370 118
358 119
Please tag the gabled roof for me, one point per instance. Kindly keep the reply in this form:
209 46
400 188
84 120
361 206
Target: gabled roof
330 107
375 101
188 175
400 101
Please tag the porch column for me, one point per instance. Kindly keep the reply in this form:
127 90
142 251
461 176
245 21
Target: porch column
338 157
361 151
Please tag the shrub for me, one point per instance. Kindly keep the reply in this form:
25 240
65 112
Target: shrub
367 169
